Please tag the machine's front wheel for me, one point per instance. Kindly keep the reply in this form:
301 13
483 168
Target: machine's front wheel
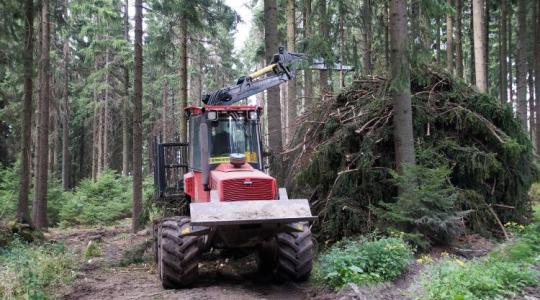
294 254
178 256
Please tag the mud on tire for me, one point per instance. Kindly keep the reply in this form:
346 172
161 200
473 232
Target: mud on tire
294 255
177 257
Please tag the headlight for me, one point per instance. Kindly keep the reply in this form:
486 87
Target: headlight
252 115
212 115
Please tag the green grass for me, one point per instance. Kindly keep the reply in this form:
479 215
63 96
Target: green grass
536 212
477 279
501 274
363 262
34 271
93 249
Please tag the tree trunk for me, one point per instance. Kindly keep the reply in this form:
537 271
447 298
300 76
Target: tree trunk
183 79
82 154
308 76
165 110
23 215
291 85
414 31
125 102
106 114
401 92
323 27
510 54
284 115
273 108
521 63
472 78
341 45
486 42
39 208
503 72
387 35
66 160
53 136
532 117
449 41
438 40
95 137
137 120
366 37
459 38
536 20
479 46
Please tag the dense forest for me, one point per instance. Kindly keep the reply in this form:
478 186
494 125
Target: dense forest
418 121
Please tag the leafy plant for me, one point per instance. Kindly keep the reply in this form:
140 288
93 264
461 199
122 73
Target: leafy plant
33 271
9 191
363 262
92 250
425 207
503 273
104 200
477 279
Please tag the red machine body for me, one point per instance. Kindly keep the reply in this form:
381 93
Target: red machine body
233 183
219 172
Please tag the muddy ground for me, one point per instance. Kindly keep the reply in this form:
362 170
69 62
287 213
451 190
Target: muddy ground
124 270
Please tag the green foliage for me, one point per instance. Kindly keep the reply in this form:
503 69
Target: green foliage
98 202
93 202
363 262
93 249
346 167
534 193
478 279
9 186
32 271
536 215
425 207
9 191
503 273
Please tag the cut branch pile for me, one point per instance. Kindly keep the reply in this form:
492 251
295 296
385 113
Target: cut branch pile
343 150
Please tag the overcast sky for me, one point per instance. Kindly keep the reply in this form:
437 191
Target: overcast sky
242 30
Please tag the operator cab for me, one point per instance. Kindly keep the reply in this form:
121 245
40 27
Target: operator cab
232 131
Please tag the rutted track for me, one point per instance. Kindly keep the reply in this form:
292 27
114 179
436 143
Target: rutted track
104 277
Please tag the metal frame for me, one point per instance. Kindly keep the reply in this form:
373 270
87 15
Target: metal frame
162 165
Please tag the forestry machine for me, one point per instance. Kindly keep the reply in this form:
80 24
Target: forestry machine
233 203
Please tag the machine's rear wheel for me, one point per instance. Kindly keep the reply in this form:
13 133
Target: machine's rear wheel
178 257
294 255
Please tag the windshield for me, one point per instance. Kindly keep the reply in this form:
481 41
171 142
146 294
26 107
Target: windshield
233 134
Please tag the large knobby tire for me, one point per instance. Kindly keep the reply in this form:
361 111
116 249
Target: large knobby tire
294 255
178 257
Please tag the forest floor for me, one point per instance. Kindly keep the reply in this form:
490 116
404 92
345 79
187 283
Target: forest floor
118 273
123 269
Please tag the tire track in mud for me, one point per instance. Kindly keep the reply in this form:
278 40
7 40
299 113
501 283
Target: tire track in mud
105 277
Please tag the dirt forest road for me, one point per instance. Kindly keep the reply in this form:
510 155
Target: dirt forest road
124 270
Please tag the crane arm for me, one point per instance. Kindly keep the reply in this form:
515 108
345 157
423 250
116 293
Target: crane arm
281 70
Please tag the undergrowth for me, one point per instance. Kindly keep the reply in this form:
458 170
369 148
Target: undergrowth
425 209
34 271
103 201
363 262
500 275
